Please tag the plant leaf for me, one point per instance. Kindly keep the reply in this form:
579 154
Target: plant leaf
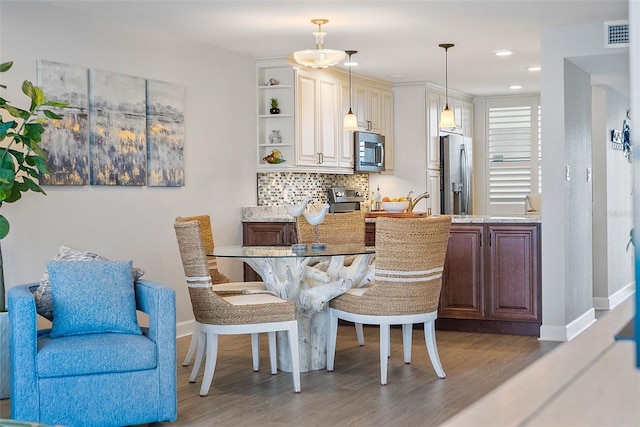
50 114
4 227
17 112
5 66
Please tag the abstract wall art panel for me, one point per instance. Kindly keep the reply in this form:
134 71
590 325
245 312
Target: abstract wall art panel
118 149
66 141
118 129
165 134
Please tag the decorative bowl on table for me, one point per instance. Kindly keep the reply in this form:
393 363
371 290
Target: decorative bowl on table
395 207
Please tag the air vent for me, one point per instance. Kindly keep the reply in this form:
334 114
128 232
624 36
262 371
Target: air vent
616 34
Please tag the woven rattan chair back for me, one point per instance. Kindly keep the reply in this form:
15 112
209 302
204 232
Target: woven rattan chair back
410 255
208 306
336 229
206 233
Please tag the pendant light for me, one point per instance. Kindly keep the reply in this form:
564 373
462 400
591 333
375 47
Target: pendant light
447 120
350 120
319 57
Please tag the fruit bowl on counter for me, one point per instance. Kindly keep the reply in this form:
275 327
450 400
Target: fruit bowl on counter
395 207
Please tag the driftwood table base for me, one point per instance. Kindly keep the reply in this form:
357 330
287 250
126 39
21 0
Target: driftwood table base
311 282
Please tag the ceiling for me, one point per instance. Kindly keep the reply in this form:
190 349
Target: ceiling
396 40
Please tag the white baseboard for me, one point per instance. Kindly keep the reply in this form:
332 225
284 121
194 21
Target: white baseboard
610 302
570 331
184 328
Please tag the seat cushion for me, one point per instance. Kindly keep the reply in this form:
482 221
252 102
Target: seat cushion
92 297
94 354
253 299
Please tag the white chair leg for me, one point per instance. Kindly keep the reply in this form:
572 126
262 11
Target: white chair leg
273 355
255 351
200 354
407 331
193 346
295 355
432 348
384 352
210 363
360 334
331 340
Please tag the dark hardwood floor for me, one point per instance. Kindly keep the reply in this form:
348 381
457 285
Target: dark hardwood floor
352 395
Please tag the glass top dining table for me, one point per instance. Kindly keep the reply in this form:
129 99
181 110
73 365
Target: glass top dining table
310 278
287 251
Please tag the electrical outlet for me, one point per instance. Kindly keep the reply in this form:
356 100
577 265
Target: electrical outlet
567 170
588 174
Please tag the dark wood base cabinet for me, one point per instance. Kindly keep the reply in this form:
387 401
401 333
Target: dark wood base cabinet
266 234
491 281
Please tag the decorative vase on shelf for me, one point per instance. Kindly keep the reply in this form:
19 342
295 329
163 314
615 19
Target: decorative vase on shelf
275 137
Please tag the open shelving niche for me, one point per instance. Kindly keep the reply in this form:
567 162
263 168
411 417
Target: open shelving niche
284 121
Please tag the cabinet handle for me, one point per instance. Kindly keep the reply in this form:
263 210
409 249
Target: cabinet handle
320 158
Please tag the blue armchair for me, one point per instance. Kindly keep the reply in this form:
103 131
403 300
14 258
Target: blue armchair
98 379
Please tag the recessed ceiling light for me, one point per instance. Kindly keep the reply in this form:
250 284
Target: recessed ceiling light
536 68
503 52
515 87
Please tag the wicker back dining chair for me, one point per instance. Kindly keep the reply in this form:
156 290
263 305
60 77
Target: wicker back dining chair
221 285
336 229
233 314
410 254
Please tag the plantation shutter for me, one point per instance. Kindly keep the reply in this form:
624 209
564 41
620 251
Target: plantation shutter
514 152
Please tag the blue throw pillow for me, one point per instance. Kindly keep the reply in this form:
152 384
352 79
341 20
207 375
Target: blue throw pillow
92 297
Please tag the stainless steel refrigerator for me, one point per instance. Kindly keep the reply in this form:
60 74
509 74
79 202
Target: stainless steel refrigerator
456 175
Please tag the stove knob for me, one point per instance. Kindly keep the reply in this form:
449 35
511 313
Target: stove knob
357 194
339 194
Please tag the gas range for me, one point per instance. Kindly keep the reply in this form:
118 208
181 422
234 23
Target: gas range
345 199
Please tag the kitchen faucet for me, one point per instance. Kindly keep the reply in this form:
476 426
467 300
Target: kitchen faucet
413 202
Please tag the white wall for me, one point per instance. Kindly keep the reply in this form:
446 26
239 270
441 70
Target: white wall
612 202
123 222
566 217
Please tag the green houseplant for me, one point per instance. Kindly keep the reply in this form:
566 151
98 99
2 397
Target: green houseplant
22 160
274 106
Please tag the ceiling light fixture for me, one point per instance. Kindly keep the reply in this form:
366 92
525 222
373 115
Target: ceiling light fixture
447 120
503 52
534 68
319 57
515 87
350 120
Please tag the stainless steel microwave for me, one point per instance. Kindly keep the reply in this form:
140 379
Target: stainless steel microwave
368 151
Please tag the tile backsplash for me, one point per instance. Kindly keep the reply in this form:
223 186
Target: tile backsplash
274 188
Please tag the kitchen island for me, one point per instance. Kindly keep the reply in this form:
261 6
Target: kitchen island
492 277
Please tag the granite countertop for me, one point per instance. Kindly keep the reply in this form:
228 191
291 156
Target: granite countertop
279 214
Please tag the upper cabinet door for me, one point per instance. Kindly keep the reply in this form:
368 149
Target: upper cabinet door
330 121
367 107
307 119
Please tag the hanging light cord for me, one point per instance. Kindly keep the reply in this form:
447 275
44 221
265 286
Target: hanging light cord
350 90
446 47
446 75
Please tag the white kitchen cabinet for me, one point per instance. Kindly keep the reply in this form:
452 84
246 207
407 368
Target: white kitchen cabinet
313 104
319 125
386 127
346 143
367 106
